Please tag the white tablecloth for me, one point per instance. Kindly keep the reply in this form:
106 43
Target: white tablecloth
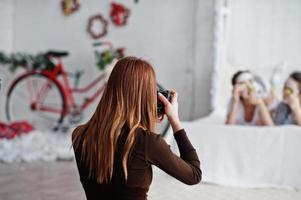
247 156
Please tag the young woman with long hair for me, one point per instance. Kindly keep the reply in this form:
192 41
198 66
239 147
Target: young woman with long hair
116 148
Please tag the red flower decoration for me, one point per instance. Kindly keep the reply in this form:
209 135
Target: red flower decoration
119 14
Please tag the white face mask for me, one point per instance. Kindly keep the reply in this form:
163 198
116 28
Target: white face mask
291 87
246 79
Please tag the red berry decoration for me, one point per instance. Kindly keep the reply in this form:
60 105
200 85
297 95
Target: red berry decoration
97 19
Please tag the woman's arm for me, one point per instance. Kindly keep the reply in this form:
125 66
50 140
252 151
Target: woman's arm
264 114
297 115
265 118
231 117
294 104
185 168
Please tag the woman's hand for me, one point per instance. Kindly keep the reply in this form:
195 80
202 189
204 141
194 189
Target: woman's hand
171 110
237 90
295 105
293 101
255 100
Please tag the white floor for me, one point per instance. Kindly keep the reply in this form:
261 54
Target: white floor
59 180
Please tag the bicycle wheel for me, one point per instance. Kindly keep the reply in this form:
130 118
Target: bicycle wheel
37 99
162 127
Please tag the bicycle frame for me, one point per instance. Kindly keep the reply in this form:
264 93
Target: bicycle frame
69 91
58 78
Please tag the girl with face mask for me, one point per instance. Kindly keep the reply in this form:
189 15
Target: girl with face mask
246 106
289 110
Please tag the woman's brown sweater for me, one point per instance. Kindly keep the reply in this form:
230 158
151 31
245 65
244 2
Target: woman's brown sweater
149 149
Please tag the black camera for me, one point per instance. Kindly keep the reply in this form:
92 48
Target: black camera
160 105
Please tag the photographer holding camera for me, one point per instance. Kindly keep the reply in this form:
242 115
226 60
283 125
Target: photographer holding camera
116 148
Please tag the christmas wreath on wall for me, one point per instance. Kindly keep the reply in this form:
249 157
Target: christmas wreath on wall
70 6
91 23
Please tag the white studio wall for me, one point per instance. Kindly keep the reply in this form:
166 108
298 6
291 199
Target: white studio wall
174 35
263 33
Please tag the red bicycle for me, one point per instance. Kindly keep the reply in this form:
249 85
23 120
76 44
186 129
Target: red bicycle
45 97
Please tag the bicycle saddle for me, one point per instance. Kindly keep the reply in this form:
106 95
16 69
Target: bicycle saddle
57 53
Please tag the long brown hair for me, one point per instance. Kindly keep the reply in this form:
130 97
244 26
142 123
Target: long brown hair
129 99
297 77
236 75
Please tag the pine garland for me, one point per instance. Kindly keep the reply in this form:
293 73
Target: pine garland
39 61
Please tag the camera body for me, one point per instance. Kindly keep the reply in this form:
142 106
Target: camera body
160 105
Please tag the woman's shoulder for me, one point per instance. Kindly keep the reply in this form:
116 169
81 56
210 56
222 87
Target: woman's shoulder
148 142
79 129
77 136
143 133
147 137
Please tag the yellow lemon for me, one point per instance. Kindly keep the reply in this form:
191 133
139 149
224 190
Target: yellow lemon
287 91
